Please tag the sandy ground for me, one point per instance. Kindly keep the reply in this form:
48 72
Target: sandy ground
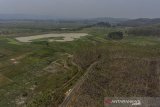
67 37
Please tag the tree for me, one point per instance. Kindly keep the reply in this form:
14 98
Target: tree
103 24
115 35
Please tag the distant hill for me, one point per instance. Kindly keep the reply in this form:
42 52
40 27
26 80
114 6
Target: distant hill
91 21
140 22
64 20
107 19
24 16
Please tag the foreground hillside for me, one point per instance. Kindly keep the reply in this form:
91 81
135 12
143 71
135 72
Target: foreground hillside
116 69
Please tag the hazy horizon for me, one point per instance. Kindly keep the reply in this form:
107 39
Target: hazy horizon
82 8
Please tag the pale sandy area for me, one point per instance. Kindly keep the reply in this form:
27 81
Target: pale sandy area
67 37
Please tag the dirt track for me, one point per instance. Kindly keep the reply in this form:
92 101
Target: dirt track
77 87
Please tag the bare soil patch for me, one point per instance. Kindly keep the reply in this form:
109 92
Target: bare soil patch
67 37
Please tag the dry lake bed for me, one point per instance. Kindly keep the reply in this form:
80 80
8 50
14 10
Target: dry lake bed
65 37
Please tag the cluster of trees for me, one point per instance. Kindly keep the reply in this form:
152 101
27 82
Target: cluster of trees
99 24
103 24
115 35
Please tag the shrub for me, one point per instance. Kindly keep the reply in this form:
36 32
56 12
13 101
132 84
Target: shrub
115 35
103 24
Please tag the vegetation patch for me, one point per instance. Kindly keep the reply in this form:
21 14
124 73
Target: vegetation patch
145 31
4 80
115 35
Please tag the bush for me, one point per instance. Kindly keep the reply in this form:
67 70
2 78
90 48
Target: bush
115 35
103 24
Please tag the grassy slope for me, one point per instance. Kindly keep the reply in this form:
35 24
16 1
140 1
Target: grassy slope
28 72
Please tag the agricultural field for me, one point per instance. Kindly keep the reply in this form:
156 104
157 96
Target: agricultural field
40 71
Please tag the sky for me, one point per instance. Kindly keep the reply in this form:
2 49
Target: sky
83 8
